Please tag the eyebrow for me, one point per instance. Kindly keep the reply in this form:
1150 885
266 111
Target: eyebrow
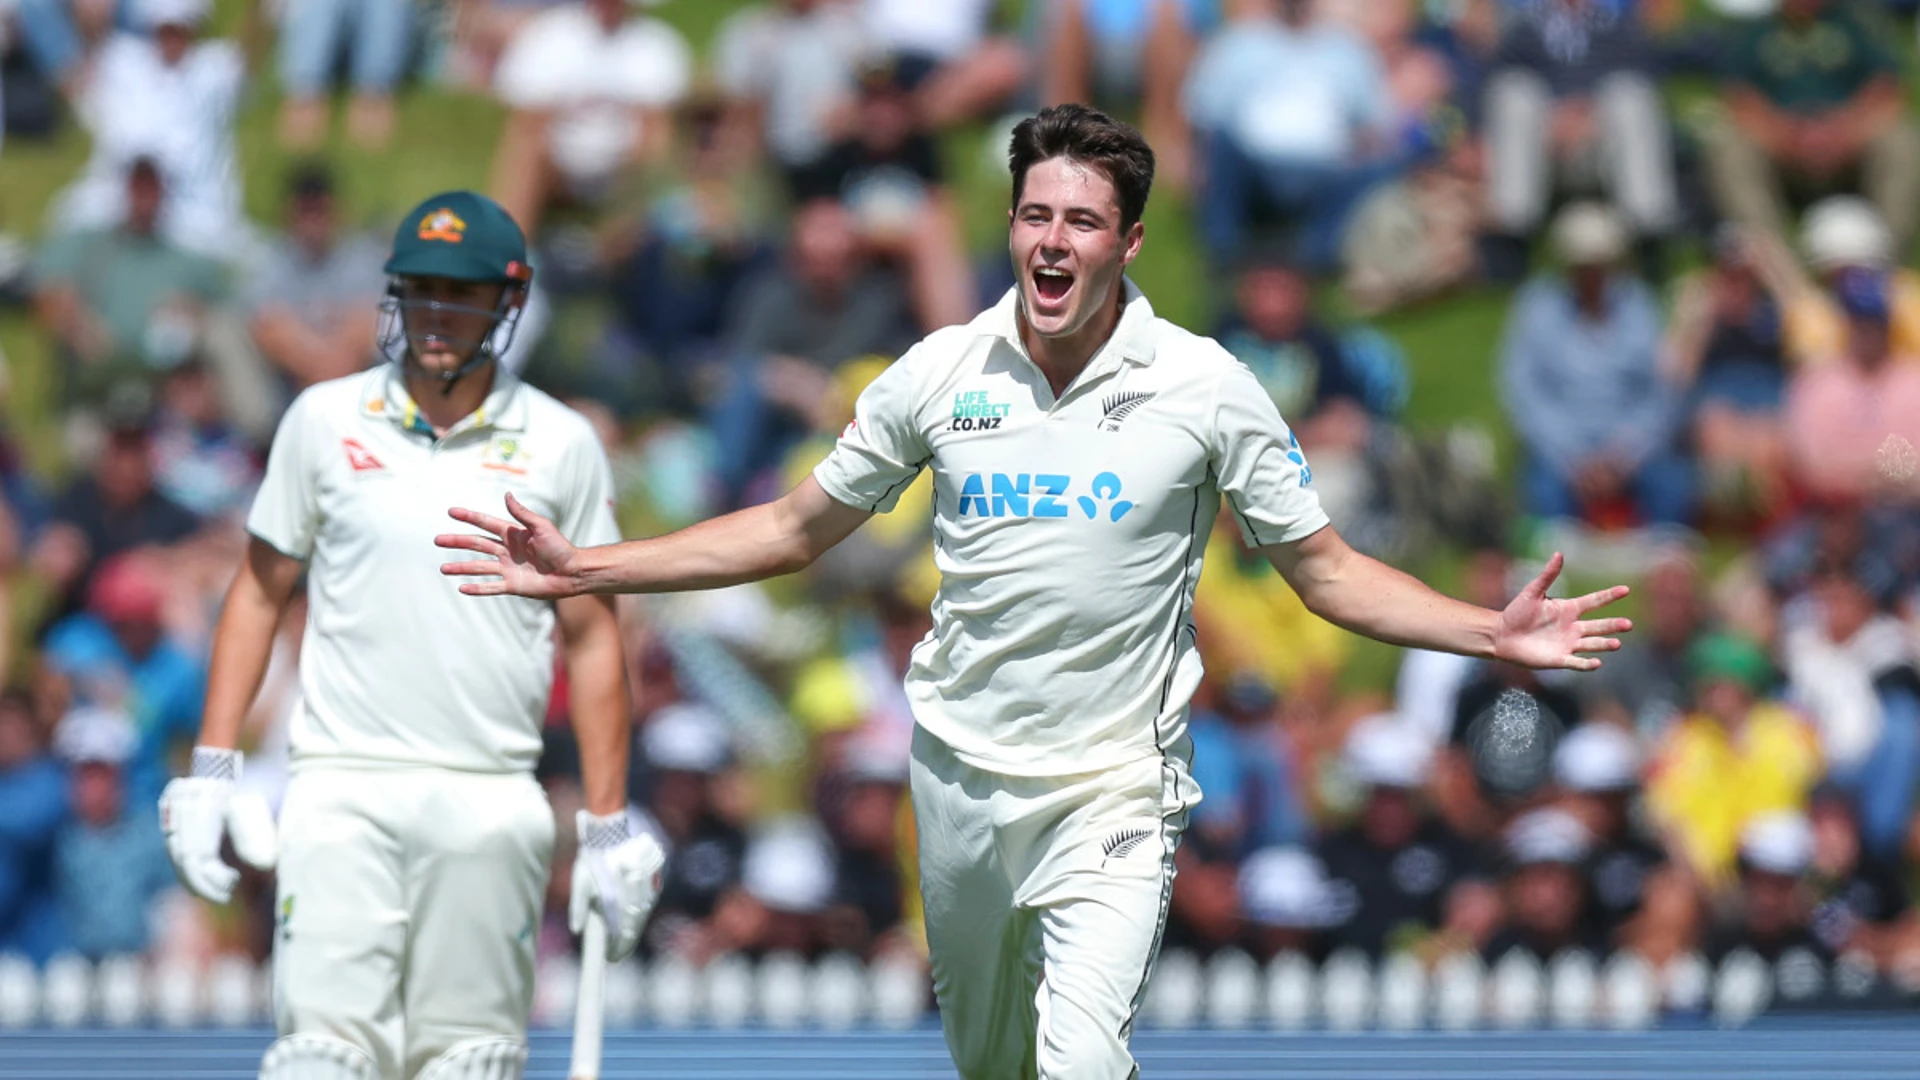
1098 216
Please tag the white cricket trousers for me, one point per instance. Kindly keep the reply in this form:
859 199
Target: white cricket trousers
409 903
1046 899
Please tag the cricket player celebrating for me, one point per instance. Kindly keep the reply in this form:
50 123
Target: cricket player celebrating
1080 447
415 842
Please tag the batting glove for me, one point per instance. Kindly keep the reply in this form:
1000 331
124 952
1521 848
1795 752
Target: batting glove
196 810
617 870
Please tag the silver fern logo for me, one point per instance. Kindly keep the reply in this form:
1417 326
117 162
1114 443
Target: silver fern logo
1117 407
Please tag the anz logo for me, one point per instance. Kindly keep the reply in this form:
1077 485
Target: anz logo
1040 495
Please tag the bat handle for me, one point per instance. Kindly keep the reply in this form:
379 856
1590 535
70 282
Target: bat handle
588 1014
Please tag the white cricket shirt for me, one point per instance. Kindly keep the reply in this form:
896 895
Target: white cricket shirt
1069 532
398 667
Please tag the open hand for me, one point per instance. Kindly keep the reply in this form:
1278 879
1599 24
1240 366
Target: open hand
530 558
1537 631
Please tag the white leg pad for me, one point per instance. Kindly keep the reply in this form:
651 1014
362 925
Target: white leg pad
316 1057
479 1059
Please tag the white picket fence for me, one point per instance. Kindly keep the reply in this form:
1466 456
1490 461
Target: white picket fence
1228 991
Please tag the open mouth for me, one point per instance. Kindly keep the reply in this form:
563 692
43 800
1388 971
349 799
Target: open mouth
1052 284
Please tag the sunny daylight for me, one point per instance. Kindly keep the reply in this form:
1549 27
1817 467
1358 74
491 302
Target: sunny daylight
981 539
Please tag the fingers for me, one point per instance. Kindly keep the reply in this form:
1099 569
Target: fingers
474 568
208 878
478 520
1537 589
1583 663
1602 627
485 545
485 588
523 515
1600 599
1597 644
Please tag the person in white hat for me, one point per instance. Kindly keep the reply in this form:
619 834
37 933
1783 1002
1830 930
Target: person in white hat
1639 897
1773 915
1399 865
1546 888
109 861
1081 449
1580 376
687 750
786 885
1838 234
1288 902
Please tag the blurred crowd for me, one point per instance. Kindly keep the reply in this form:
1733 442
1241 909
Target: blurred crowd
1696 217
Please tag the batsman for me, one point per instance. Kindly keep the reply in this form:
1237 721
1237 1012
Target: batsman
413 842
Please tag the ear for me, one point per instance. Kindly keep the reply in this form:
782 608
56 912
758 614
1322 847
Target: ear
1130 244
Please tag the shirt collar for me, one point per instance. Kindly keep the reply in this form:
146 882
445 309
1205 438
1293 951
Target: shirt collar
505 408
1132 340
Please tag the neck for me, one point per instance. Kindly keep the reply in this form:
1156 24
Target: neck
444 408
1062 359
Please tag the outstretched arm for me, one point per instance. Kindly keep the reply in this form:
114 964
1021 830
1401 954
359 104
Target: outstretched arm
527 556
1369 597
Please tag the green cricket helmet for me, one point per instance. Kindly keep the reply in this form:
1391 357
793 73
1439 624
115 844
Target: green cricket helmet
462 236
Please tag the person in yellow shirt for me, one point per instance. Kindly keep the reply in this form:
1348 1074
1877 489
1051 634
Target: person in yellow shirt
1251 620
1838 233
1736 757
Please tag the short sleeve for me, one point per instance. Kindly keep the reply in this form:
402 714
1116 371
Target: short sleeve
1258 465
884 448
59 261
286 509
586 517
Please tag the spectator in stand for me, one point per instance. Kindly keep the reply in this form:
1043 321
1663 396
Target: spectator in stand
1853 423
199 460
376 36
170 97
1859 896
888 174
589 92
1842 236
33 809
1291 114
1736 758
706 233
827 304
1580 376
786 886
1336 404
123 300
1131 52
1639 899
314 305
1405 870
1647 684
1546 892
114 509
1241 760
1573 84
1850 667
958 68
110 860
1480 771
1725 351
1815 104
788 70
1286 903
687 752
866 824
118 655
1773 908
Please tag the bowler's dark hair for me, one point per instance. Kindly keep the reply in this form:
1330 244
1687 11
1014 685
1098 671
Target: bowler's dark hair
1090 137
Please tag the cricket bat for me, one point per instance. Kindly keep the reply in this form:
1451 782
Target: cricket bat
589 1005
